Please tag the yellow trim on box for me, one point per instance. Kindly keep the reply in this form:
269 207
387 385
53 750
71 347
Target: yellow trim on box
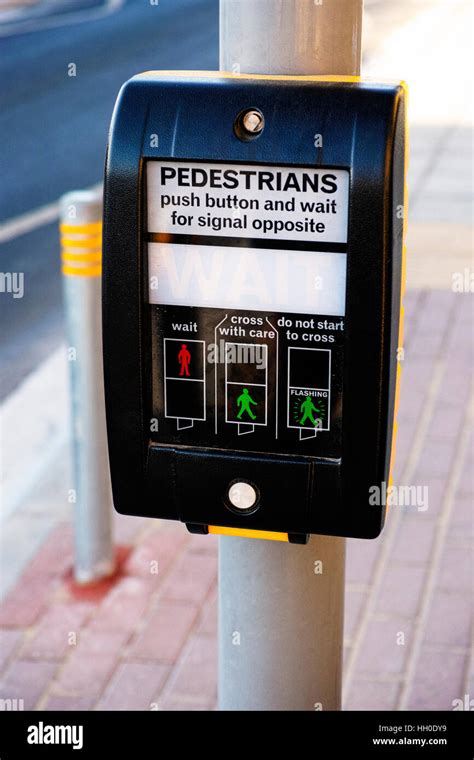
341 78
402 292
401 332
268 535
82 271
274 77
91 228
404 259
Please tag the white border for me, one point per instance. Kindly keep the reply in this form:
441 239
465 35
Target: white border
298 387
189 379
257 385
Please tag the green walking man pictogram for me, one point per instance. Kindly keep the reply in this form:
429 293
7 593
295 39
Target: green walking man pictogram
243 402
307 408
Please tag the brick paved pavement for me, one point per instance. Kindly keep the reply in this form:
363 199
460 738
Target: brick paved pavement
147 640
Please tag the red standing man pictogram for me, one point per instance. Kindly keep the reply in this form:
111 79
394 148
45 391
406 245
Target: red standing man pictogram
184 358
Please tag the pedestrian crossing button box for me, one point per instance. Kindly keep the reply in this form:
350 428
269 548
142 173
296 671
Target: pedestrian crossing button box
252 287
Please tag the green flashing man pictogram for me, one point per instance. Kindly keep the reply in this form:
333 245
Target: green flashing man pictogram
307 408
243 402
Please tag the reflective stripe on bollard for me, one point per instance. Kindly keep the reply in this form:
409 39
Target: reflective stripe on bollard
81 249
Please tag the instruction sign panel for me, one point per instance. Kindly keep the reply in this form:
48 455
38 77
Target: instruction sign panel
246 285
247 201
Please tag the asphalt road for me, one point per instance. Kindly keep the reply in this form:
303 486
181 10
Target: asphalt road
53 132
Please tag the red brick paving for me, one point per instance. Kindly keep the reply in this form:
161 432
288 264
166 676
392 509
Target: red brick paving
149 641
65 703
438 679
197 672
134 686
165 632
386 647
152 559
401 590
175 704
130 594
372 695
85 674
191 578
49 640
25 603
414 539
208 618
9 640
26 680
435 545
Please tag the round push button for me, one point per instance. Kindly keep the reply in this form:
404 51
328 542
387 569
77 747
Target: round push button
249 124
242 495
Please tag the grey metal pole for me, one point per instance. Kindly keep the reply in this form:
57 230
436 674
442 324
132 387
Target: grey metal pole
296 37
81 254
281 605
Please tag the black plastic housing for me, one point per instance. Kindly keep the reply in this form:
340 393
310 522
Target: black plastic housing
363 128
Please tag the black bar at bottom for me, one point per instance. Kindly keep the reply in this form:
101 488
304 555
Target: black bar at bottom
243 242
126 735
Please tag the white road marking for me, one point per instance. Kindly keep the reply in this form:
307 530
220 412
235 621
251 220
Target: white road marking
24 223
64 19
31 220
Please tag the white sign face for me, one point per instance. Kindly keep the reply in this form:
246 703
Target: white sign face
264 279
248 201
199 212
247 278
